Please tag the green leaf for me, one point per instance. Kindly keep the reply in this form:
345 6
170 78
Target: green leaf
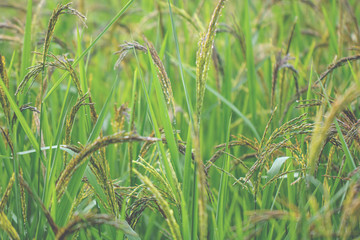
20 117
275 168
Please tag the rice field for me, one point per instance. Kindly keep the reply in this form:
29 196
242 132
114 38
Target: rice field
171 119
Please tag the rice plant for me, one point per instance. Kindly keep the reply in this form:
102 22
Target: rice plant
179 119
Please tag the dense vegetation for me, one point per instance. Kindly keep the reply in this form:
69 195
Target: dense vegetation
179 119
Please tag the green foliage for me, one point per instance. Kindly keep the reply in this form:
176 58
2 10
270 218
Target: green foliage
179 119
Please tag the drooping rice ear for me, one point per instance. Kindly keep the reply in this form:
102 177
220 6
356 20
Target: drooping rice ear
80 158
100 167
3 99
203 57
163 204
70 120
6 226
93 220
46 212
7 192
164 79
59 10
321 129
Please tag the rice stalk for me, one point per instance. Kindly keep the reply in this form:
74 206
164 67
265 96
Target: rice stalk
136 209
23 198
74 77
100 167
163 204
131 145
201 179
125 48
37 199
5 133
93 113
121 114
7 192
59 10
80 158
3 99
321 129
35 70
6 226
93 220
336 65
269 146
283 62
194 22
70 120
59 62
175 197
85 192
33 73
341 62
350 213
267 128
203 57
163 77
67 66
103 202
24 107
